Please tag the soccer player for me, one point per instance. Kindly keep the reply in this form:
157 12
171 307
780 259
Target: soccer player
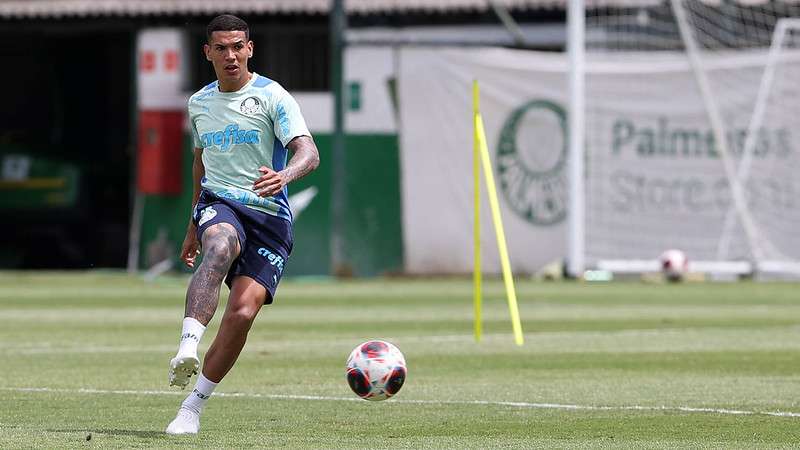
243 126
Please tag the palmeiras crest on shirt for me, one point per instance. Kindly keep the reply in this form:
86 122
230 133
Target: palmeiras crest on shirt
250 106
206 214
531 158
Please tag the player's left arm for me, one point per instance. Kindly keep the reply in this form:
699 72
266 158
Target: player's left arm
305 158
291 130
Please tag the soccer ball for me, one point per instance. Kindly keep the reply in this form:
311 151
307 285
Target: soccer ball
376 370
674 264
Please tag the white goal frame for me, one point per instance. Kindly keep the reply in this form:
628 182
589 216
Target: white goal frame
767 259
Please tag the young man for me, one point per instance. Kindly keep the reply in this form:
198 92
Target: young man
242 124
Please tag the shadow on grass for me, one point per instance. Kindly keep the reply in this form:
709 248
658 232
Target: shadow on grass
145 434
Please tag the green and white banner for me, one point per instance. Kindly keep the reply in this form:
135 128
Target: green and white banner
523 106
654 173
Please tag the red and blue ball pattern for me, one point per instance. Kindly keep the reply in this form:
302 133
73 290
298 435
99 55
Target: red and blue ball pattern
376 370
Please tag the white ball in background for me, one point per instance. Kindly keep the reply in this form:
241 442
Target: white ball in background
674 264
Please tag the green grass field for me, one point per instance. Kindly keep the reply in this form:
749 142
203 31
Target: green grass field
619 365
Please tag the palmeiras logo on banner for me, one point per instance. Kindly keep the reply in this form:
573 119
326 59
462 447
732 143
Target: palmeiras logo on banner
531 162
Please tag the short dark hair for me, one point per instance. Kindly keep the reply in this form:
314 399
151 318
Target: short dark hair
227 22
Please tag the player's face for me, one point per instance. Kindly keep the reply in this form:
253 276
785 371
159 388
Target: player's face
229 51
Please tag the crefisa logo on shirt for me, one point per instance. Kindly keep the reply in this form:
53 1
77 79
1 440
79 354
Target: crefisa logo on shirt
231 135
250 106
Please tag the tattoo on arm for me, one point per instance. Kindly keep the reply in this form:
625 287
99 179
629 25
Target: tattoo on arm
220 248
305 158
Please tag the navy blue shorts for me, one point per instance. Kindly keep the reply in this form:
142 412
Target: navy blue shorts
265 240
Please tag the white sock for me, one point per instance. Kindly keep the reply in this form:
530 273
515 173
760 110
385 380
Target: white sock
190 336
200 394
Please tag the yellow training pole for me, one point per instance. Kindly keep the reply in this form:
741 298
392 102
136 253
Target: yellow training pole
498 229
476 228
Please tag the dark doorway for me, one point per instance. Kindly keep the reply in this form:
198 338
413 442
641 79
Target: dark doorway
65 148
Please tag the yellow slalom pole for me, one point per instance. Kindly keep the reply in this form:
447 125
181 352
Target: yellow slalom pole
498 228
476 172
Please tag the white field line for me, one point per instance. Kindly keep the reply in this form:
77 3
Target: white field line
686 409
88 349
51 348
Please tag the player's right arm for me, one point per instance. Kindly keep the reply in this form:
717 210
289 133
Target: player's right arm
191 246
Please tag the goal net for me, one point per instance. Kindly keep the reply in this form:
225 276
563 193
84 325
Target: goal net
692 137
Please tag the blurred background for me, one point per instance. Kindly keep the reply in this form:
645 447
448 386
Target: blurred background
682 116
652 140
94 115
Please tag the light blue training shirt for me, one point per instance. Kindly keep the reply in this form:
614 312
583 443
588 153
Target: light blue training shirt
242 131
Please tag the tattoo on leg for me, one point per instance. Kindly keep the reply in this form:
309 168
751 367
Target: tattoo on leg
220 248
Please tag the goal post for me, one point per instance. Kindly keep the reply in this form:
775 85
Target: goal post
781 37
689 132
576 248
693 52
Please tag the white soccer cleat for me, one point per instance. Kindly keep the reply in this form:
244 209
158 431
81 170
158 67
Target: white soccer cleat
181 369
186 422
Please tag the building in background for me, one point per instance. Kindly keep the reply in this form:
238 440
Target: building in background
77 128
